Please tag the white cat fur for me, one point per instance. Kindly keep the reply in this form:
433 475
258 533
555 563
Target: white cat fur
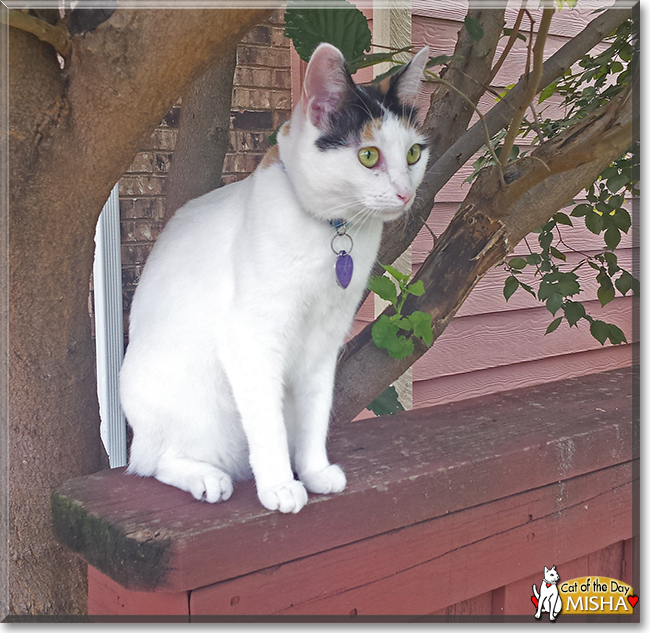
237 321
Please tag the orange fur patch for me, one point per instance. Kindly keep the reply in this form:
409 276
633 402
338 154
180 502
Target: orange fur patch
369 131
271 157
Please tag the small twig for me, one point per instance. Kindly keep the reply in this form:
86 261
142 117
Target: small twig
511 42
53 35
532 81
488 141
537 127
529 53
433 235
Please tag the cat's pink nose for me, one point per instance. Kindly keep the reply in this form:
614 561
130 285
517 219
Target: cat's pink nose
404 196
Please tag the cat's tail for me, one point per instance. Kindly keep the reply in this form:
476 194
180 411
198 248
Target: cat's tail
535 591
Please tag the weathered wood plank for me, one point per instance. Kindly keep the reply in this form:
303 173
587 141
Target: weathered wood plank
425 567
402 470
108 598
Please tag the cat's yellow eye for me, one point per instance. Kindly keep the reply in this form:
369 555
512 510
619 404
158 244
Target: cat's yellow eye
369 156
413 155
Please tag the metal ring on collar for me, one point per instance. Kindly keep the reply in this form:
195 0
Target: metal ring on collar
349 250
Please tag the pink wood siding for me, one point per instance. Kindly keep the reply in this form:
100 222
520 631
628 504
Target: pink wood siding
491 344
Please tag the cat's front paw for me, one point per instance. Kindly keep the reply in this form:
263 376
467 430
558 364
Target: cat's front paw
326 481
289 496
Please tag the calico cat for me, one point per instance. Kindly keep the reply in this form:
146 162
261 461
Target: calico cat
248 294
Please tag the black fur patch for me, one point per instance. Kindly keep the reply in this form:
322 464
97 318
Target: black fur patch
362 104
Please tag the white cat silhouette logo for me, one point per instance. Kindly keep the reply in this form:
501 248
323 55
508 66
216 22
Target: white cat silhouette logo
548 599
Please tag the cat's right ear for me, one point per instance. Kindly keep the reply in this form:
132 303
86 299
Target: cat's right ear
326 83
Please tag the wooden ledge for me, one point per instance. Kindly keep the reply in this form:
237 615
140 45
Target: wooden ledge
402 470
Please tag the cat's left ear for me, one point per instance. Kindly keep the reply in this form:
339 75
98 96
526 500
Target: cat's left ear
326 84
406 81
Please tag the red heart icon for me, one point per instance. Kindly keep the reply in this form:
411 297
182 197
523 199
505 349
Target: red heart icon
536 601
633 600
548 584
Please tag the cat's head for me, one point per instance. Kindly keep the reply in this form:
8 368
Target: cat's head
355 151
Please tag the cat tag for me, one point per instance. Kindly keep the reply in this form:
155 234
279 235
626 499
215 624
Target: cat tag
344 268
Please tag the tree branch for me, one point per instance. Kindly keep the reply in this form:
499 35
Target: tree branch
54 35
487 227
440 170
530 87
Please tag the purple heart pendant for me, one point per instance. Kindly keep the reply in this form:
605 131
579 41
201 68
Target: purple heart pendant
344 268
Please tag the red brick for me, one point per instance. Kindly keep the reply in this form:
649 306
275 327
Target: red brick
252 141
280 117
152 208
162 162
277 17
282 78
281 100
253 77
133 254
141 185
241 163
278 38
252 99
142 163
227 179
260 56
164 139
261 34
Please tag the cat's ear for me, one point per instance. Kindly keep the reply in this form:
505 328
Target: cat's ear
545 569
406 81
326 83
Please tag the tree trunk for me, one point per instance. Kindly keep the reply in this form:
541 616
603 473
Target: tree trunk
202 136
72 133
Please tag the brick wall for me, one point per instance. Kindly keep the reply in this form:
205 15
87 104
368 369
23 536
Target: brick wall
261 101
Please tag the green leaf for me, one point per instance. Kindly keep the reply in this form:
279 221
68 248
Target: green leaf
612 237
615 183
600 331
511 284
622 220
554 302
440 60
508 32
383 287
363 61
624 282
574 311
518 263
557 254
581 210
616 335
606 293
474 28
545 240
416 288
534 259
562 218
340 24
553 325
421 322
548 91
386 403
396 274
594 222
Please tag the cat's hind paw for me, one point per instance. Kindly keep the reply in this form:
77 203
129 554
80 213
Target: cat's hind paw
289 496
326 481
